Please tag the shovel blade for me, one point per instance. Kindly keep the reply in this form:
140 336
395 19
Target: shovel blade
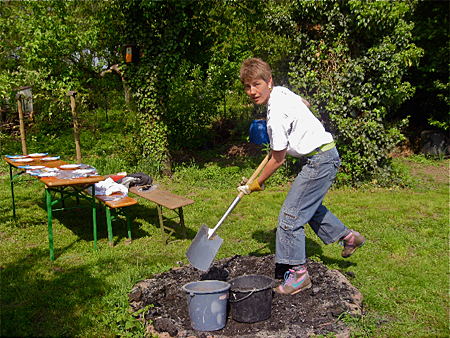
202 251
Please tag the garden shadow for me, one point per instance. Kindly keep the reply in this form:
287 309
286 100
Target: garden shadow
148 213
78 218
40 298
313 248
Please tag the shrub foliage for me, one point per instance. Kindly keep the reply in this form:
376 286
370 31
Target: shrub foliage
348 58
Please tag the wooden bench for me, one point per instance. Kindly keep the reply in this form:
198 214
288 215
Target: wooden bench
168 200
114 206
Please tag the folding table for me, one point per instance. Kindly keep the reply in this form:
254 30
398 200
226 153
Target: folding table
66 187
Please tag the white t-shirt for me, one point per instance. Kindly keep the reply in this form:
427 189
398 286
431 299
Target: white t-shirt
291 125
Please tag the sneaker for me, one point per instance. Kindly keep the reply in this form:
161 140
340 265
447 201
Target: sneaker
351 242
294 281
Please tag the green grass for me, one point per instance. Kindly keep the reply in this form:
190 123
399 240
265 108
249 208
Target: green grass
402 271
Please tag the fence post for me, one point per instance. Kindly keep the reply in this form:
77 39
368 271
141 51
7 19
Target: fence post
22 127
76 131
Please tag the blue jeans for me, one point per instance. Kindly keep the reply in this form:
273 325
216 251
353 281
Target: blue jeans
303 204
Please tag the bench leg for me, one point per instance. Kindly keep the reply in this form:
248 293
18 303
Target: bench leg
108 222
48 199
94 220
161 223
127 211
183 228
111 216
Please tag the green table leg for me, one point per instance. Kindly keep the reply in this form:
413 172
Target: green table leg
94 216
128 223
12 177
48 199
12 190
109 224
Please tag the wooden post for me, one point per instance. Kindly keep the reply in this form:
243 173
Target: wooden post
76 131
22 127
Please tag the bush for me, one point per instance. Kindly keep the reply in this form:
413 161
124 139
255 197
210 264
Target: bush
365 144
350 60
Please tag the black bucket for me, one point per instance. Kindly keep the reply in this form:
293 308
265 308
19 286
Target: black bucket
251 298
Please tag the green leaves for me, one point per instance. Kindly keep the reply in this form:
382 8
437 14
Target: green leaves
348 58
350 63
55 47
365 144
126 323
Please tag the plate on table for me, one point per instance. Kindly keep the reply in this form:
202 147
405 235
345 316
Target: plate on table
16 157
54 158
69 166
47 174
37 155
23 160
35 167
84 171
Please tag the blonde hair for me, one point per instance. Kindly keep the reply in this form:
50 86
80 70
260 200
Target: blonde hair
255 68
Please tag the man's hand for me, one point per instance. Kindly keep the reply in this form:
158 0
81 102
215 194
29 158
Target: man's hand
252 186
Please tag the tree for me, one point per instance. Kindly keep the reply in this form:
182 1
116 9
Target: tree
55 47
350 59
183 70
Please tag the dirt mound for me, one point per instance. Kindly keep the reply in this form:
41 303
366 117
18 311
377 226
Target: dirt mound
243 150
316 311
229 152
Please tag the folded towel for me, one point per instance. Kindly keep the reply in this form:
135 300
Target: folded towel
109 187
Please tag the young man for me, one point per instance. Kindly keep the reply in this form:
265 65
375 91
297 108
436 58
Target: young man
293 129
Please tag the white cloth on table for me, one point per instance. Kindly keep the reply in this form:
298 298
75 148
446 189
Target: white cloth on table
108 187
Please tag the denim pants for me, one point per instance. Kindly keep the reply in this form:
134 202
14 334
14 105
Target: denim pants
303 204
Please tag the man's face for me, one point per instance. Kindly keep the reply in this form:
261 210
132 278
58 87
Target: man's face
258 90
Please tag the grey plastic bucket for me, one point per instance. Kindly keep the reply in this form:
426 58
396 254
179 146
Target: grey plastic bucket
251 298
207 302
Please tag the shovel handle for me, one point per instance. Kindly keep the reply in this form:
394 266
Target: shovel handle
257 171
212 232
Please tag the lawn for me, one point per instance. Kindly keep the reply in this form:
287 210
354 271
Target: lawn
402 271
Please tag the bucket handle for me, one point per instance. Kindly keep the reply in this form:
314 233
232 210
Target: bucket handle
191 295
243 298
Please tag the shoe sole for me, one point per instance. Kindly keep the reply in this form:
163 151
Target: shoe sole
277 290
353 251
302 289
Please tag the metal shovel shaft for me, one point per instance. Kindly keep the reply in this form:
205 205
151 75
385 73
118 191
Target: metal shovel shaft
212 232
206 243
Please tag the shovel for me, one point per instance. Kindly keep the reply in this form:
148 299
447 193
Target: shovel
206 243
